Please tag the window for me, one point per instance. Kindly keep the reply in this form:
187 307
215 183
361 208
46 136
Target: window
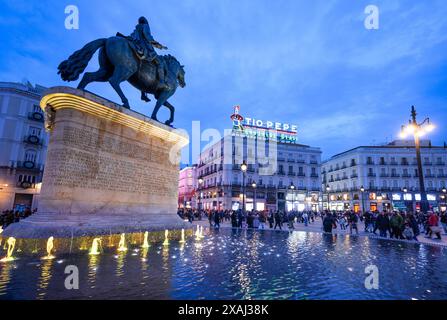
30 155
34 131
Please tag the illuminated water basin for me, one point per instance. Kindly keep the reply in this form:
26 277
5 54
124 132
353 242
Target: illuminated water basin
237 264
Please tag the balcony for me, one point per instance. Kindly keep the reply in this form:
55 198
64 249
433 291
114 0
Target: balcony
314 175
395 175
291 173
384 175
440 163
428 163
26 185
313 162
301 174
393 163
281 159
300 161
370 174
32 139
404 163
353 164
28 165
430 175
354 175
370 162
382 163
290 160
281 173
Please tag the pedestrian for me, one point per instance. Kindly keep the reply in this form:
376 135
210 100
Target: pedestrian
383 224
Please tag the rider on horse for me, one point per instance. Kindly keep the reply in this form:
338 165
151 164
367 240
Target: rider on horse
142 37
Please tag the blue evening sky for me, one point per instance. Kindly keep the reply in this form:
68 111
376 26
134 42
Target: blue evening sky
310 63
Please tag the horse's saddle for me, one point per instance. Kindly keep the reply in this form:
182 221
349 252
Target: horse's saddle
139 50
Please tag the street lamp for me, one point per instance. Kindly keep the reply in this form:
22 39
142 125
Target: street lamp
200 193
362 190
418 130
444 191
327 192
292 187
244 170
253 185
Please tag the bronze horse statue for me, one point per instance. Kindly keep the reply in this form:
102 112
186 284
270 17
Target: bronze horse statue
119 62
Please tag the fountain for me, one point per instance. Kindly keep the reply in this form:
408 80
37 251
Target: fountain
122 244
95 246
197 234
50 246
166 242
11 244
145 242
201 232
182 239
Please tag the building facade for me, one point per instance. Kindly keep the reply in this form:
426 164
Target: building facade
281 174
187 186
387 175
23 145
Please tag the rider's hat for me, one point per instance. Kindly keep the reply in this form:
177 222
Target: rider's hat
142 20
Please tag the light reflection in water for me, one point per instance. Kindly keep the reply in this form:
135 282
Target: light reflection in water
93 263
44 279
5 277
120 258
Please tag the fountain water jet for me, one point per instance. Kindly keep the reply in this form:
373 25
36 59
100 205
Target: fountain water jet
197 234
50 247
145 242
201 232
182 239
122 244
11 244
95 246
166 242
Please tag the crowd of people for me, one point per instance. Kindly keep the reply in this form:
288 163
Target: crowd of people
395 224
11 216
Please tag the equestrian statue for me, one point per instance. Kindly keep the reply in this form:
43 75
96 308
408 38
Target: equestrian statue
133 59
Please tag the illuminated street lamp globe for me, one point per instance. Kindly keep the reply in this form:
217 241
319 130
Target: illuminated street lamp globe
253 184
362 189
444 190
405 190
200 181
292 186
244 167
328 188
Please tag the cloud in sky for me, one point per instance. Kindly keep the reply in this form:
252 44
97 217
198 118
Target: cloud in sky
309 63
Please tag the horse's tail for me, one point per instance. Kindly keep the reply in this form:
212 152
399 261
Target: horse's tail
71 68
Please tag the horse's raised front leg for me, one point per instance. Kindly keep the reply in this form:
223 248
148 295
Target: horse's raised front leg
172 110
120 74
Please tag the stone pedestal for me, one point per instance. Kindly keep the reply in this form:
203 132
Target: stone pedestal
108 170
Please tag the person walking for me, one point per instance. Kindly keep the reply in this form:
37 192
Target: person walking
396 224
383 224
433 226
353 220
277 220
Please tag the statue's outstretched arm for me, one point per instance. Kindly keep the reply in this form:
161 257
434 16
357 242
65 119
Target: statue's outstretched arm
158 45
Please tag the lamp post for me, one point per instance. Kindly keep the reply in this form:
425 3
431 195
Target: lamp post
253 185
418 130
327 192
200 193
244 170
362 190
292 187
444 191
